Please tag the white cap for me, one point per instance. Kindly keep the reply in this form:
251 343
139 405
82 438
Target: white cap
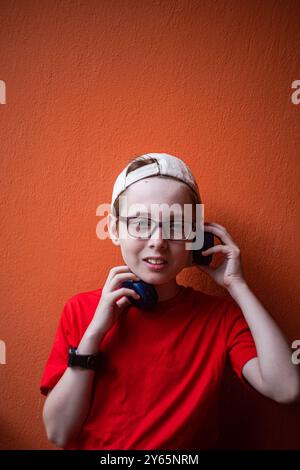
168 165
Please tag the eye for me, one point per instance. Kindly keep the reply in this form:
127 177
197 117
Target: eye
140 225
142 222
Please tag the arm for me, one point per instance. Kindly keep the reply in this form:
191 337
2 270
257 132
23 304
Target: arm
272 373
67 404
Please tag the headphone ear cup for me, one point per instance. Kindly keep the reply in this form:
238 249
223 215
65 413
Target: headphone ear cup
147 292
197 254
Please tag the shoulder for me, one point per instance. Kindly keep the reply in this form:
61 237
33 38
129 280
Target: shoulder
79 308
85 298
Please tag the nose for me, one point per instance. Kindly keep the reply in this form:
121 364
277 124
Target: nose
156 238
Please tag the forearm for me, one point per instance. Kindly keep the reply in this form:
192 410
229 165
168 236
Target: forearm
67 404
274 355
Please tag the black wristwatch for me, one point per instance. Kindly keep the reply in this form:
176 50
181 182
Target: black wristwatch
85 361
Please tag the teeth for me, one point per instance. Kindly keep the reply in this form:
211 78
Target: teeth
154 261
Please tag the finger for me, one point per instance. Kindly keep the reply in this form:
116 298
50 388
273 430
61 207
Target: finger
217 225
121 277
217 249
117 294
117 269
123 302
222 234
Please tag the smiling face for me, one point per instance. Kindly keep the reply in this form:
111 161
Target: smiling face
146 192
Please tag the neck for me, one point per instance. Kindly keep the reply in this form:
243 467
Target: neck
168 290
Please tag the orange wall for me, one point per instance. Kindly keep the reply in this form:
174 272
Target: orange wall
89 84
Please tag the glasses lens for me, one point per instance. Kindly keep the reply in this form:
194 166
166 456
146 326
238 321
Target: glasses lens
140 227
179 230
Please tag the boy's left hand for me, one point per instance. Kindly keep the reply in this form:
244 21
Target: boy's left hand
230 271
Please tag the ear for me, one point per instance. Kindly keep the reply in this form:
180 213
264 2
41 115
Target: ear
112 229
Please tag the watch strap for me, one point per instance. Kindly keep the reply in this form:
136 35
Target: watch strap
85 361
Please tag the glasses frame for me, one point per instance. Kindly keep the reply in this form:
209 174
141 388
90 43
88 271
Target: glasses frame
156 223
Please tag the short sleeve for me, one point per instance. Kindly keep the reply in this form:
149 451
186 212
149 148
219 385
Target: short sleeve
239 340
58 359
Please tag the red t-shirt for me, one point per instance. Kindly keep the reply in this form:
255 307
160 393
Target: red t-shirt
159 387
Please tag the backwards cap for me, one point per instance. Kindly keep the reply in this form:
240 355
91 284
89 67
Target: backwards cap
167 165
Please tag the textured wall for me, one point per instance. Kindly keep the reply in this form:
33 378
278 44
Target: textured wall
89 84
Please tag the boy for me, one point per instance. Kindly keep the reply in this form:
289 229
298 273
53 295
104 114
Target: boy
142 379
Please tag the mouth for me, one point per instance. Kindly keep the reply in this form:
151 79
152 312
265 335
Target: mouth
155 263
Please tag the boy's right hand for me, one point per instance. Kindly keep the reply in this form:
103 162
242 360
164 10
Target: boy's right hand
113 301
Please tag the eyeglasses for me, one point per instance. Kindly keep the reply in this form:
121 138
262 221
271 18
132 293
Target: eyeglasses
143 227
